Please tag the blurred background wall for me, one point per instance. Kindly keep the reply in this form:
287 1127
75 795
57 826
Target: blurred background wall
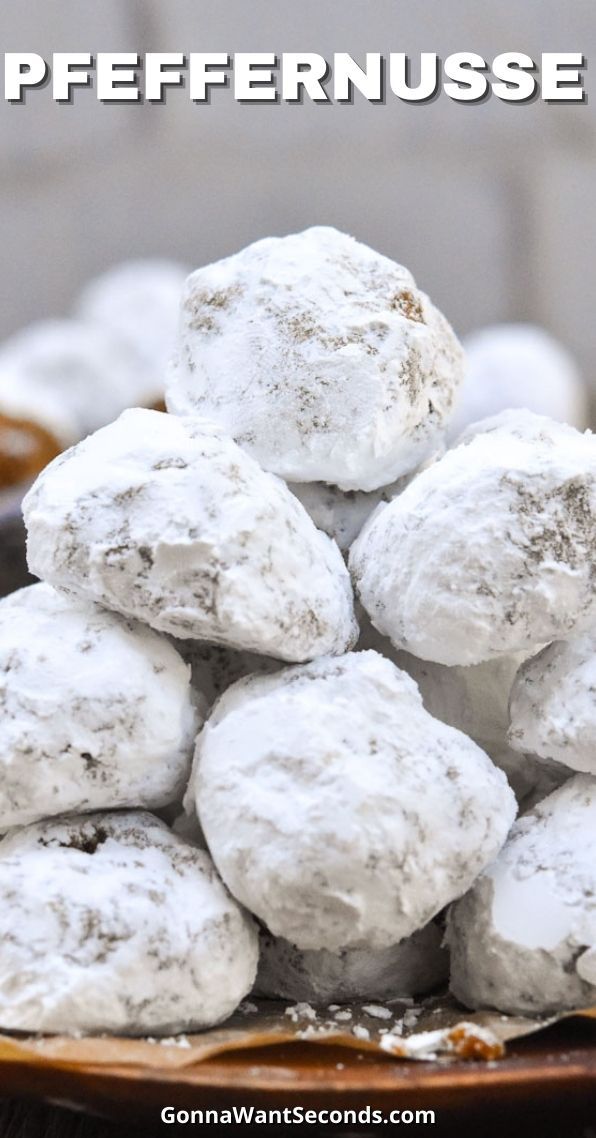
493 207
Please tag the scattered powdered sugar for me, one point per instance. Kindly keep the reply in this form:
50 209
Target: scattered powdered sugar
301 1011
180 1041
376 1011
247 1008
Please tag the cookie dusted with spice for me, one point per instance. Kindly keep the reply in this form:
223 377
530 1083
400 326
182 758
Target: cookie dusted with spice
139 302
110 923
411 968
475 700
553 704
168 521
95 711
68 377
491 550
320 790
519 365
523 940
320 357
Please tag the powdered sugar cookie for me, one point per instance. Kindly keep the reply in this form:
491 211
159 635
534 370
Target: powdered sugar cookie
523 940
168 521
139 301
519 365
320 357
68 377
96 712
108 922
319 789
490 551
553 704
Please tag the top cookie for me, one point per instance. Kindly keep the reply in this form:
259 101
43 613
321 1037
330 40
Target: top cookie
320 357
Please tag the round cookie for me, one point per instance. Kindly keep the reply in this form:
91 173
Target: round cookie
475 700
320 357
519 365
168 521
110 923
411 968
139 301
553 704
523 940
96 712
490 551
318 790
68 377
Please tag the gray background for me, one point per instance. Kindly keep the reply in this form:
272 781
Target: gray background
493 206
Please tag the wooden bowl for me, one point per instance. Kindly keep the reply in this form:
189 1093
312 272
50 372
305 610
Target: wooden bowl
550 1072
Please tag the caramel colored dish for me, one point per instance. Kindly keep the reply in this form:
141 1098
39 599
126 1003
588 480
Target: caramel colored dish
25 448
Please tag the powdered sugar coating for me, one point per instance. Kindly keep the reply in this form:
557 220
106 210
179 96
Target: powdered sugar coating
108 922
475 700
320 357
68 376
96 712
491 550
139 301
519 365
553 704
523 940
341 514
319 789
411 968
169 522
